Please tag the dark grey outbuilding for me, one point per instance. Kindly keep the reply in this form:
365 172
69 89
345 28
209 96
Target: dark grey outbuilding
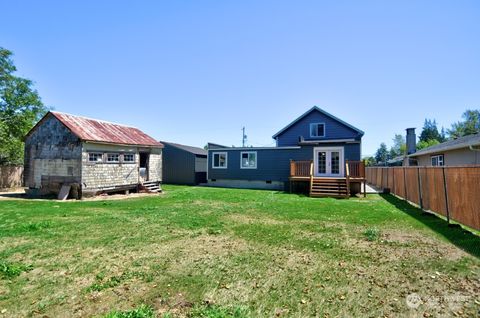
184 164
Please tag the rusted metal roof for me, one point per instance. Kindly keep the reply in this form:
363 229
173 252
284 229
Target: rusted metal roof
94 130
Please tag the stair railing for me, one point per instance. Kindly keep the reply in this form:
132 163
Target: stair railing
311 176
347 175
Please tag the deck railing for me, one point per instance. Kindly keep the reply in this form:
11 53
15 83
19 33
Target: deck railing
356 169
301 168
304 168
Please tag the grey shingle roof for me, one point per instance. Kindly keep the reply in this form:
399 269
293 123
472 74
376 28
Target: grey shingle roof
191 149
462 142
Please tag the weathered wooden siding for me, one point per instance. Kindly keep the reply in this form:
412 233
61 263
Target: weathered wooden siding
333 130
273 164
52 156
100 175
155 165
11 176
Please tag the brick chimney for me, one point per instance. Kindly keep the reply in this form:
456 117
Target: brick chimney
411 141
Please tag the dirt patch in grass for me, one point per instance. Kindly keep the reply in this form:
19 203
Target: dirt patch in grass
396 245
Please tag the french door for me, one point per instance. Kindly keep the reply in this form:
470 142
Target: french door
328 162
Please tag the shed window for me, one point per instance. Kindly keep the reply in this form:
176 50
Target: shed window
113 157
437 160
219 160
248 160
128 157
95 157
317 130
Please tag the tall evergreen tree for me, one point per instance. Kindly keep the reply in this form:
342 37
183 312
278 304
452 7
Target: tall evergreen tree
381 156
469 125
430 131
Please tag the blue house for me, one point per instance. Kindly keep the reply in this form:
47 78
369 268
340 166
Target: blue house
316 151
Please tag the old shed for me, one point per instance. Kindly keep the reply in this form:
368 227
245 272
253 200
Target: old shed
91 156
184 164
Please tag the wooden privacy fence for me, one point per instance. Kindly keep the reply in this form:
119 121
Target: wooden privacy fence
453 192
11 176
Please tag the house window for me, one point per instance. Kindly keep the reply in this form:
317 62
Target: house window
128 157
219 160
95 157
317 130
437 160
248 160
113 157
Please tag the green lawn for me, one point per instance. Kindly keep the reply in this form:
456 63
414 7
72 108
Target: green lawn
208 252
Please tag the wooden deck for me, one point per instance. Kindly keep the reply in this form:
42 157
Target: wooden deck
302 171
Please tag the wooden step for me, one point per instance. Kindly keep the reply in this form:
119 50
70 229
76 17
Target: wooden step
329 187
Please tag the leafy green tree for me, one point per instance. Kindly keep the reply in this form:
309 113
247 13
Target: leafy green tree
469 125
426 144
382 154
369 161
430 132
20 108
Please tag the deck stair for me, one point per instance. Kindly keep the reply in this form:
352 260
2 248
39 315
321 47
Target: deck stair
151 186
329 187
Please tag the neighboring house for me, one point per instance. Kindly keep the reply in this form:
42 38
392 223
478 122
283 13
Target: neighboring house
91 156
184 164
312 149
456 152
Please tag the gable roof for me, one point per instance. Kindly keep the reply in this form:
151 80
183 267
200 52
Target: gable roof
462 142
316 108
191 149
94 130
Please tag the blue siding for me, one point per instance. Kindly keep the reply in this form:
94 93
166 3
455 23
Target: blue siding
333 130
178 166
272 164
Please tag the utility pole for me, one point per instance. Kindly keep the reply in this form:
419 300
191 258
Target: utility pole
244 137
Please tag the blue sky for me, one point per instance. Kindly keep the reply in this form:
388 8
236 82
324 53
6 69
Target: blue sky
198 71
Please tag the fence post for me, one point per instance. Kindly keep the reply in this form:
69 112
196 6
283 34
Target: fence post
420 195
394 186
387 180
381 177
446 194
405 183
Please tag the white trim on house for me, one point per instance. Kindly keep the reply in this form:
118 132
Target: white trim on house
254 148
438 157
328 156
241 159
128 161
213 159
95 154
113 154
321 111
326 141
324 130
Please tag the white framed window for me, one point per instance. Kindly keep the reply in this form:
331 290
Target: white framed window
128 157
248 160
437 160
113 157
219 160
95 157
317 130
